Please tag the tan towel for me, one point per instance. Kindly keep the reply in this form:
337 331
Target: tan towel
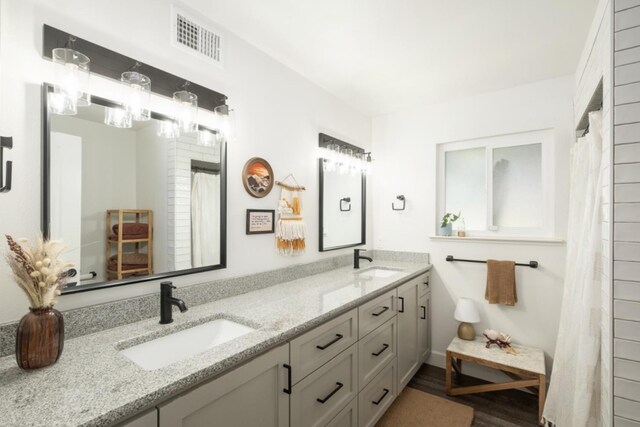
501 282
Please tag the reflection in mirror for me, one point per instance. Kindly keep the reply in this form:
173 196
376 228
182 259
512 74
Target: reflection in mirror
130 204
342 195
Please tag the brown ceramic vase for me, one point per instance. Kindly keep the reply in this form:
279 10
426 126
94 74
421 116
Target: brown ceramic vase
40 338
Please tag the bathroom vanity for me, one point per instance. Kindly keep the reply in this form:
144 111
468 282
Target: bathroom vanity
333 348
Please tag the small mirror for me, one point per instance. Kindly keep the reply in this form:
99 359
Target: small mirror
132 203
342 194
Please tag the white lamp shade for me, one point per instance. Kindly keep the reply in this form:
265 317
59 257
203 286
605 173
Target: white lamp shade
466 311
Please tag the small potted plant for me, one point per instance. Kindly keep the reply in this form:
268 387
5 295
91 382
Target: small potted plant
446 226
41 274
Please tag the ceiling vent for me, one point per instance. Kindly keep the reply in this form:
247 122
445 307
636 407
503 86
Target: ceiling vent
197 38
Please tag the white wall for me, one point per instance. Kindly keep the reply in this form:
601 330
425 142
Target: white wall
404 144
279 116
105 149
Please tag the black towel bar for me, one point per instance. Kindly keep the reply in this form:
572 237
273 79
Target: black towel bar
532 264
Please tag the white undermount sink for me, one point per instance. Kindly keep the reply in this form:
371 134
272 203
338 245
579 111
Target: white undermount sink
378 272
180 345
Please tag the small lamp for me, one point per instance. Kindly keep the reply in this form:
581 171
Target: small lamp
467 314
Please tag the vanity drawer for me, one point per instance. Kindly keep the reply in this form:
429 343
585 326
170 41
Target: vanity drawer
316 347
423 284
318 398
375 351
375 312
375 398
348 417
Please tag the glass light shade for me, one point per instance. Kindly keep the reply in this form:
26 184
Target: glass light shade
138 95
168 129
117 117
72 75
61 104
466 311
187 110
227 121
206 138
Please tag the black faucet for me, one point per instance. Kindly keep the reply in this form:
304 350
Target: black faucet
167 301
357 257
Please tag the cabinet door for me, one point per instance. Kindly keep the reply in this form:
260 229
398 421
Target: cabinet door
424 328
148 419
407 308
251 395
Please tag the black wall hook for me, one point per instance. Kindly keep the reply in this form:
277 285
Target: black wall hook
403 200
345 200
5 184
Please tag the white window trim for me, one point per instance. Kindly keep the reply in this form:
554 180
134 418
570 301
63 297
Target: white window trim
545 137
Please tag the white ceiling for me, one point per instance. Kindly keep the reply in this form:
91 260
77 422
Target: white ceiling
383 55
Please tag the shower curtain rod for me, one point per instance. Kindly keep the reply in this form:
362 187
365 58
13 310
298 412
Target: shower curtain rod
532 264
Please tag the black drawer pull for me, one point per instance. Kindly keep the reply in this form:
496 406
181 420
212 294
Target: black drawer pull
401 310
426 283
288 389
377 402
335 390
384 347
384 308
424 312
329 344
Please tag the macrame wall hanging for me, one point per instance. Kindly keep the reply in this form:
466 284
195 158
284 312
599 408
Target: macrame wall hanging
291 229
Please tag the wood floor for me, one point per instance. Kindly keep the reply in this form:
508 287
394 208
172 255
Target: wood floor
508 408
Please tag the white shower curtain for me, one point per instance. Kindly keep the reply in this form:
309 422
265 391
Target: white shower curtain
205 219
574 394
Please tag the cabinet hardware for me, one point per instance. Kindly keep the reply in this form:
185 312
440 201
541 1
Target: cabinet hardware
377 402
426 283
335 390
384 347
329 344
401 310
288 389
384 308
424 312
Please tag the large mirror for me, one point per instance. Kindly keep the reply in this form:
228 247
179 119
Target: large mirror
342 194
132 205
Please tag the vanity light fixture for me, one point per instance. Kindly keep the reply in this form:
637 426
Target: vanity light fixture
186 109
138 93
72 75
227 121
345 160
117 117
168 129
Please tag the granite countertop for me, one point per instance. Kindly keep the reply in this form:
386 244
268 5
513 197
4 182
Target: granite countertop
94 385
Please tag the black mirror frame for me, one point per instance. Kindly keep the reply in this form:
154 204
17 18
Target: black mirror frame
324 140
46 194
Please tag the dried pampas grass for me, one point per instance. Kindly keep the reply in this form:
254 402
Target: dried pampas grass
37 269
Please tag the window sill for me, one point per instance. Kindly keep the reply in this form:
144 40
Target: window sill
534 240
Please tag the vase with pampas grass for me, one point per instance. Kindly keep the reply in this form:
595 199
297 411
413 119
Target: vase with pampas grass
41 274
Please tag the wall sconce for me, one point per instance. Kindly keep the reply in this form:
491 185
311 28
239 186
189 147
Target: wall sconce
138 94
403 200
186 109
72 75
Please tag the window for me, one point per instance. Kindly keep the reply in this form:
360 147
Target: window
502 185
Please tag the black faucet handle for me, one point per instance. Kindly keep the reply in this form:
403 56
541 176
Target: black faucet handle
167 285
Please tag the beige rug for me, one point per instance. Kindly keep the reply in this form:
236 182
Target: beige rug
414 408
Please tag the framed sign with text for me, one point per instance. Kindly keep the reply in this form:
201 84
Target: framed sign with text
260 221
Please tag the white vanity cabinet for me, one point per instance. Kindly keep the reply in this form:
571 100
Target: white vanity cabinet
250 395
424 330
413 331
148 419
